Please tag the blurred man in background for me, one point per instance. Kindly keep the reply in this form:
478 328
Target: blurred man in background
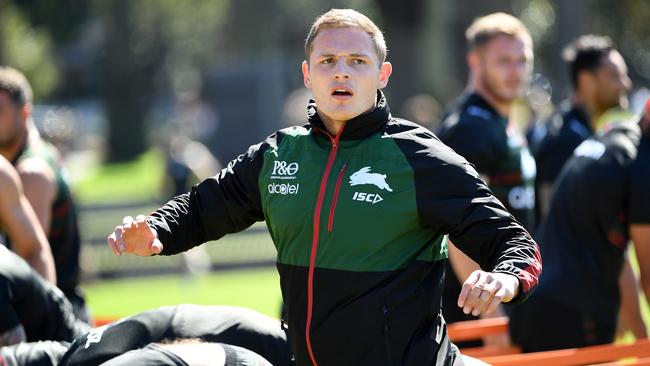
18 221
500 59
600 84
599 79
40 169
601 202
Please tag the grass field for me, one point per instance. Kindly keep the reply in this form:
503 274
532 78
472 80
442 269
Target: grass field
139 180
258 289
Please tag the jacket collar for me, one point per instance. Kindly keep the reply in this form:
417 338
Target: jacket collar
579 114
473 99
358 127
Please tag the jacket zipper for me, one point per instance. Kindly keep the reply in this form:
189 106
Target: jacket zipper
330 221
315 238
387 342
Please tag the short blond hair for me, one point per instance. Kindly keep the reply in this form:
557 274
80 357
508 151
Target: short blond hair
14 83
342 18
486 28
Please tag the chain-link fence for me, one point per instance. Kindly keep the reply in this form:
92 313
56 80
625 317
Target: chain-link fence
252 247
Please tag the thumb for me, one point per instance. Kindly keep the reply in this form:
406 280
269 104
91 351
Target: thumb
156 246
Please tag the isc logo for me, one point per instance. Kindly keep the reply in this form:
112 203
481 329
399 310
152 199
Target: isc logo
367 197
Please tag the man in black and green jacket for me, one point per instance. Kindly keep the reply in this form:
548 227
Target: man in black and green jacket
357 203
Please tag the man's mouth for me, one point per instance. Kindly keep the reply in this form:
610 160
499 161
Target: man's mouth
341 92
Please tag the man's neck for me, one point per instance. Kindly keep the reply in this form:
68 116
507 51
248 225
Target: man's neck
591 108
502 107
333 127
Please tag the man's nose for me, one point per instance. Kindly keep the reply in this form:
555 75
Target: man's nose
341 71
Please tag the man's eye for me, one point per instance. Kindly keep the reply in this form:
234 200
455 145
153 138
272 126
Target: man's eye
358 61
327 61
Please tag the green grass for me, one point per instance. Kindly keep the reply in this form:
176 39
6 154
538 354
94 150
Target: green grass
140 180
257 289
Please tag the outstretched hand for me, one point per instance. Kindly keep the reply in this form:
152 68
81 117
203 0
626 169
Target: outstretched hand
483 291
134 236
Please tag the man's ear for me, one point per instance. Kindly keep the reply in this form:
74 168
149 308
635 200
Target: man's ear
26 110
384 74
305 74
586 82
473 60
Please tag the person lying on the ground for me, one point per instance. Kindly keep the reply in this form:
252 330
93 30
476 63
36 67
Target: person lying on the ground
43 353
32 309
227 325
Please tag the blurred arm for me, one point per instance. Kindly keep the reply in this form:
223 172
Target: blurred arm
640 235
630 311
39 185
21 224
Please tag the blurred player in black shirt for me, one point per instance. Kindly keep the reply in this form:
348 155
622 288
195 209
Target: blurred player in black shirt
500 60
602 200
32 309
599 79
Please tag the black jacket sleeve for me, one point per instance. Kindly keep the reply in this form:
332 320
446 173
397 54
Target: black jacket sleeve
453 200
226 203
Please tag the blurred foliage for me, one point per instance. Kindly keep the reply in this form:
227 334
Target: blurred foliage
627 23
27 48
133 54
61 18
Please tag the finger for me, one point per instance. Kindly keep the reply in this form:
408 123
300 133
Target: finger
139 220
127 219
473 300
493 305
483 302
467 286
501 294
112 244
119 239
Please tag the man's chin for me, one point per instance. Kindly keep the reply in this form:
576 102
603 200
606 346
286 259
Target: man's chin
508 97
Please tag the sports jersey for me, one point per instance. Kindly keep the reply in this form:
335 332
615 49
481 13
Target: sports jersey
552 143
475 130
27 299
218 324
358 221
601 190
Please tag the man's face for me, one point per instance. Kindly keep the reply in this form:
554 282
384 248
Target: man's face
11 121
344 73
611 82
503 66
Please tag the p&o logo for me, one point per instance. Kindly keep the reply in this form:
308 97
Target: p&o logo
283 169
